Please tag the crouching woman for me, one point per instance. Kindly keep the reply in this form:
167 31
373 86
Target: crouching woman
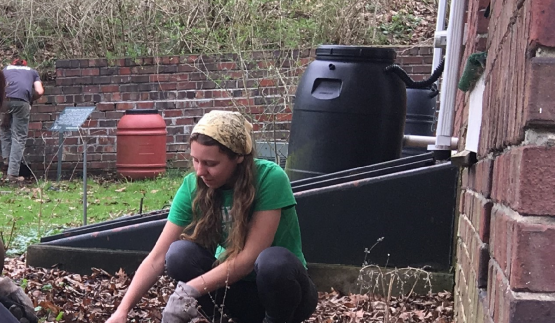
232 241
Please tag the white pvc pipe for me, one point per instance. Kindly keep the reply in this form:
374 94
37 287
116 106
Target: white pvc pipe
440 26
424 141
450 76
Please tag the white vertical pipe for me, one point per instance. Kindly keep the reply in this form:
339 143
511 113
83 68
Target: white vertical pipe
440 26
450 76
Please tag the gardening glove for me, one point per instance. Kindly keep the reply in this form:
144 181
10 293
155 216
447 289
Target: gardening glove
182 305
16 301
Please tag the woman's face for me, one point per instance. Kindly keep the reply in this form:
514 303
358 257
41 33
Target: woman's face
214 167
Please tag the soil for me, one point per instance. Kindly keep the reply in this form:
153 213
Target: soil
62 297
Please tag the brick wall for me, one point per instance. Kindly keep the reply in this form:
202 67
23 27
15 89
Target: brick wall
505 270
182 88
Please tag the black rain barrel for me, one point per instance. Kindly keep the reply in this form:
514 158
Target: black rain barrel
348 112
421 110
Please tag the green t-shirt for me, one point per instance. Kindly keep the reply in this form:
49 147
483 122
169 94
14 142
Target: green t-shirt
273 191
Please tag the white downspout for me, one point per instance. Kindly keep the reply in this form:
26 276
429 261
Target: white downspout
440 26
448 91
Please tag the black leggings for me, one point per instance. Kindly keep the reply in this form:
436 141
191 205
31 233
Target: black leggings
282 291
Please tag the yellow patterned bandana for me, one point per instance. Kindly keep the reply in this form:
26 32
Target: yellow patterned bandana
228 128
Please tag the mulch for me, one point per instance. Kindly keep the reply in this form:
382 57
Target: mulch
63 297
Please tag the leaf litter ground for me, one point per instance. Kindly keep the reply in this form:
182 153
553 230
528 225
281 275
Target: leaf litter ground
60 296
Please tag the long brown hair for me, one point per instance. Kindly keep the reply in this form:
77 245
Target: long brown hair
206 227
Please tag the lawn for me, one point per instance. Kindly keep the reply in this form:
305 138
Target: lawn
48 207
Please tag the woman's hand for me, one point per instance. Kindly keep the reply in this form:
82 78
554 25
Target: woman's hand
182 305
118 317
147 273
262 229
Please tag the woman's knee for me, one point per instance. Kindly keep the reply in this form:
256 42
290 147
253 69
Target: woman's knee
277 261
186 260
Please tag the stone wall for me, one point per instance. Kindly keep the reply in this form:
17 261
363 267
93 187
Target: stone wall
182 88
505 270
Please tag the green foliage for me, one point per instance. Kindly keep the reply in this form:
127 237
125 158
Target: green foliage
400 28
48 208
24 283
126 28
26 237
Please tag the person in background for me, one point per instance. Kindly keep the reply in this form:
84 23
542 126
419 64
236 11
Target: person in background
232 236
3 168
23 86
2 88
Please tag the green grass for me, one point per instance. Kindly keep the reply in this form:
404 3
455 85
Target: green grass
48 208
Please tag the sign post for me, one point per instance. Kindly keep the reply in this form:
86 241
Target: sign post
70 120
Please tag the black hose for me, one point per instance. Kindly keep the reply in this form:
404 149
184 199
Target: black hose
410 83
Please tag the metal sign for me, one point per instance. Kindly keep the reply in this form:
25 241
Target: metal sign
72 118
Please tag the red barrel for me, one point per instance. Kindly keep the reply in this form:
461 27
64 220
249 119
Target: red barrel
141 144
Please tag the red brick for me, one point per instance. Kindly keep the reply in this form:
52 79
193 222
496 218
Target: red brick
108 157
173 113
90 72
183 121
193 112
178 77
105 106
100 62
283 117
411 60
531 308
478 210
145 105
227 66
185 68
159 78
90 123
542 23
501 236
106 140
91 89
130 96
205 103
109 88
533 261
40 117
125 70
267 82
72 72
71 141
114 114
186 86
480 177
108 149
35 125
168 86
498 298
539 107
534 172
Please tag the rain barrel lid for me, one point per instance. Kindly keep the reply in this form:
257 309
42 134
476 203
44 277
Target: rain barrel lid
356 53
141 111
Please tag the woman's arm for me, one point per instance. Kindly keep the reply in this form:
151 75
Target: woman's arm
261 233
148 272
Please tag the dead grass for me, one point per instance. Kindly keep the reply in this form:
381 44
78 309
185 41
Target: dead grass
43 31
